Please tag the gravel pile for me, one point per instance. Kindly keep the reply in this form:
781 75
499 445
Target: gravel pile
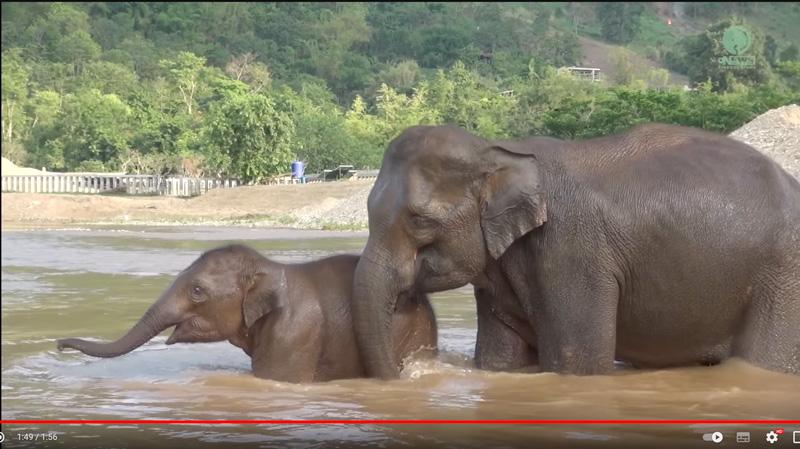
350 212
11 169
775 133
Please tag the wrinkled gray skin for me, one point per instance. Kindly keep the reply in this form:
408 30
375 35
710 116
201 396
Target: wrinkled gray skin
661 246
293 320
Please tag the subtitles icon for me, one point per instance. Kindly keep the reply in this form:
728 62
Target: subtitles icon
742 437
796 437
715 437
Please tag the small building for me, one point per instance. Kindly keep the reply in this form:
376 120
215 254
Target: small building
588 73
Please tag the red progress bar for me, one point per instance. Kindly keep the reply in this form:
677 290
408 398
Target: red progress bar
395 421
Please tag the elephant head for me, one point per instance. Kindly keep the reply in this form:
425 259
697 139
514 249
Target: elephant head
218 297
444 203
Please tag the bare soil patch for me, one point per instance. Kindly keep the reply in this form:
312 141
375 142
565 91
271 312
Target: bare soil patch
601 55
254 205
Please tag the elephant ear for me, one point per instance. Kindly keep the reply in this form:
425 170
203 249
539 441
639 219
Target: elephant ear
265 293
512 199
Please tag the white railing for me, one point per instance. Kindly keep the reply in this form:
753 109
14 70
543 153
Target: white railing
98 183
325 176
144 184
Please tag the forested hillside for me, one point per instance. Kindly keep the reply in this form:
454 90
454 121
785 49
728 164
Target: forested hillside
240 89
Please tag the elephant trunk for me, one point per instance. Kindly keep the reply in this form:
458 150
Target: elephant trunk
156 319
376 287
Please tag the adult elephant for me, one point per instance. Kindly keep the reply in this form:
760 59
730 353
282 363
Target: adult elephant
660 246
293 320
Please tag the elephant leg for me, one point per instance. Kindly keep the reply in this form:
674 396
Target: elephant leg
499 347
771 332
575 316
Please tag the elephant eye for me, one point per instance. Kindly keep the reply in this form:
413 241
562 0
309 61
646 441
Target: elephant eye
422 221
197 294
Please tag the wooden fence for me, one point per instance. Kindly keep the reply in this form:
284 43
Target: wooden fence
130 184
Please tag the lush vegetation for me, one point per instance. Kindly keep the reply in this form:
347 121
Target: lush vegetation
241 89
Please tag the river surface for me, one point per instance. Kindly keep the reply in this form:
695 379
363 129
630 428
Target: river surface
97 282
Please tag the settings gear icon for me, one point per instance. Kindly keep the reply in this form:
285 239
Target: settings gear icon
772 437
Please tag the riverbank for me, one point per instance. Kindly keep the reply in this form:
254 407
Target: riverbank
327 206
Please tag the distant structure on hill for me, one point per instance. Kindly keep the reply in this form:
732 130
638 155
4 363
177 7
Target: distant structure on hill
588 73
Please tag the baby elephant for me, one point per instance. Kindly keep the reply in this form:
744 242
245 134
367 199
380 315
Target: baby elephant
293 320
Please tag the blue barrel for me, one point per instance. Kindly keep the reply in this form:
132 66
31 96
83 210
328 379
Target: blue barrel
297 169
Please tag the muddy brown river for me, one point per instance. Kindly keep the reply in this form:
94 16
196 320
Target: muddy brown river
97 282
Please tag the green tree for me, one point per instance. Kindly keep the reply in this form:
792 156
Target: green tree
336 32
711 10
366 129
43 109
790 72
42 138
140 53
771 50
790 53
396 111
248 138
545 94
15 76
161 125
658 78
620 22
185 72
401 76
459 97
703 53
246 69
444 44
17 17
622 60
519 25
321 138
63 35
55 76
560 49
107 77
92 127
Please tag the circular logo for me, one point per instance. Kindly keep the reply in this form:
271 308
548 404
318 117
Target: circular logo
2 437
736 40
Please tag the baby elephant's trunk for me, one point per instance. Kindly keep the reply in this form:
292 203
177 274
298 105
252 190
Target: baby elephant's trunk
156 319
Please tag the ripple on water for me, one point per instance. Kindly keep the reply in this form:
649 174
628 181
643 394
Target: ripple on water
457 343
156 360
116 276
